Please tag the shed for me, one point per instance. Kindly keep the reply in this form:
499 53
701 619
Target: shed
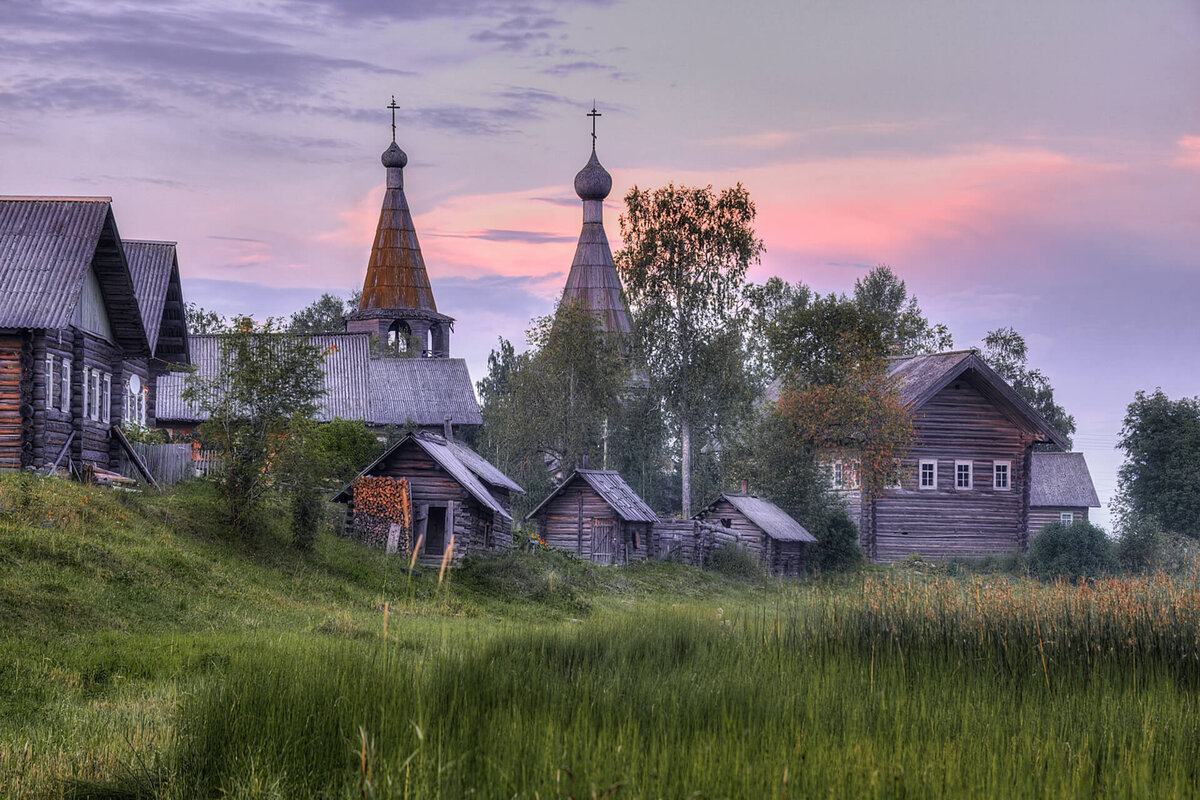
454 492
780 542
1060 489
595 515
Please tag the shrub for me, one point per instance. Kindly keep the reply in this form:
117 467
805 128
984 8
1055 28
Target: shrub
733 561
1076 551
1140 545
307 507
837 547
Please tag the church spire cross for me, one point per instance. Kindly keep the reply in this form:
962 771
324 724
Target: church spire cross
393 107
593 114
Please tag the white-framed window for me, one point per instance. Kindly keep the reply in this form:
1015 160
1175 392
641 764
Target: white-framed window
927 474
86 385
962 475
855 476
95 389
106 399
1001 475
49 381
1066 517
143 405
837 477
66 386
896 479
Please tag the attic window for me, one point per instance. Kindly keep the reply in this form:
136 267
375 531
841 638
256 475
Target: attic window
1067 517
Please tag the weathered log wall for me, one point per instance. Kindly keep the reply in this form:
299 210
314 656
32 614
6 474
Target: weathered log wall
1042 516
580 521
959 423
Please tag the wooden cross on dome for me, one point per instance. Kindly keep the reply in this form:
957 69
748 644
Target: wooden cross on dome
393 107
593 114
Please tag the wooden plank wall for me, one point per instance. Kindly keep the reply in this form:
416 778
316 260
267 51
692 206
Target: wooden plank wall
569 521
752 537
12 424
1040 517
959 423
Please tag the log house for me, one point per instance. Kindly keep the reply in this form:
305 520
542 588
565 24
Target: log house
595 515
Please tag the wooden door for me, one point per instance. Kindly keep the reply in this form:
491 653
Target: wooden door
604 549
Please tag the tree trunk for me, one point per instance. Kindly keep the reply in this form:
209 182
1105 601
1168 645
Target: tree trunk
685 434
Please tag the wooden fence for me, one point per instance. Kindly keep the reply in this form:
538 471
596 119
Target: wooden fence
689 541
168 463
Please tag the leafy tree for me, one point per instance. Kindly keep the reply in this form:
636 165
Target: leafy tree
1160 479
551 404
904 328
1005 351
326 314
200 320
266 387
684 264
765 303
1076 551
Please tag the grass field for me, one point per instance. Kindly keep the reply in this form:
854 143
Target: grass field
146 656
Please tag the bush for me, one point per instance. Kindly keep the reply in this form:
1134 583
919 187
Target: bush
1074 552
1140 545
837 547
307 507
733 561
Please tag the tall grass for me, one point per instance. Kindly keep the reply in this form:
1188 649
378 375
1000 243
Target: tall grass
888 688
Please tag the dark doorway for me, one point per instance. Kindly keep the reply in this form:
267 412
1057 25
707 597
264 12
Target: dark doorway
435 531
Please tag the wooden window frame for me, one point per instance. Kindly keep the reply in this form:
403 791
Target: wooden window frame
66 386
921 485
86 385
1007 467
896 480
106 397
970 465
49 381
1066 518
837 478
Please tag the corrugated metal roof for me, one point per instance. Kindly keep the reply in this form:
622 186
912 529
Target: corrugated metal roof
422 391
46 246
464 465
150 265
773 520
613 489
1061 479
384 391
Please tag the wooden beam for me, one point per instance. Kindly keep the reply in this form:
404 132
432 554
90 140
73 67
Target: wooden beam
133 456
66 446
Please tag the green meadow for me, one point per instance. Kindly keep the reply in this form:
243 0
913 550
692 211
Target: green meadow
146 654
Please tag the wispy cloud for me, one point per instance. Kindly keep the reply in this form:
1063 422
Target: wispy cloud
502 235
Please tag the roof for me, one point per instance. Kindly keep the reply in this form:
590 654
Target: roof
612 489
47 245
150 265
396 275
422 391
1061 479
772 519
379 391
470 469
593 281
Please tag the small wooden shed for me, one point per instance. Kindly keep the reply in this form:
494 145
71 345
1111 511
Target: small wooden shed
455 492
780 542
595 515
1060 489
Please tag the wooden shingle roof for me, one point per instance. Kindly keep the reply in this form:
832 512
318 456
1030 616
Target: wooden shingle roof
772 519
1062 480
612 489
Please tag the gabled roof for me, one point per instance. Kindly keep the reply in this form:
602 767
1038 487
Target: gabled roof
612 489
1061 479
448 455
919 378
422 391
150 264
379 391
47 245
772 519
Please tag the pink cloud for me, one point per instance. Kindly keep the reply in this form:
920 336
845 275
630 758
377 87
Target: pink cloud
1189 151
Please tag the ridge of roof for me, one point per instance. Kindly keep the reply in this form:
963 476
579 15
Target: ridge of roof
43 198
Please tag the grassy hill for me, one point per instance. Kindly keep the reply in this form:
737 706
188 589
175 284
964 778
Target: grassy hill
145 653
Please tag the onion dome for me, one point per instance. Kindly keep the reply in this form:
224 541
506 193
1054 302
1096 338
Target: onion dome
593 181
394 157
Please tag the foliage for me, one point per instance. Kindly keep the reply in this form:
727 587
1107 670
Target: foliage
200 320
1140 545
555 401
1076 551
1160 478
326 314
308 507
1005 351
837 548
904 327
502 361
143 434
734 561
683 265
266 389
341 448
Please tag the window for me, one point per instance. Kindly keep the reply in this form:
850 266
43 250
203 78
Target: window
95 389
897 475
1067 517
66 386
726 522
837 478
855 474
1001 479
49 381
962 474
86 386
927 477
106 404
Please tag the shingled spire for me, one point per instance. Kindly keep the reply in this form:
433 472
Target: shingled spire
593 281
397 301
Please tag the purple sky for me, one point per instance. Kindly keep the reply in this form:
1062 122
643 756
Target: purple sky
1020 163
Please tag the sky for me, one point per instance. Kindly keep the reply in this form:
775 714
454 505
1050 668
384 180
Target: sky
1033 164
